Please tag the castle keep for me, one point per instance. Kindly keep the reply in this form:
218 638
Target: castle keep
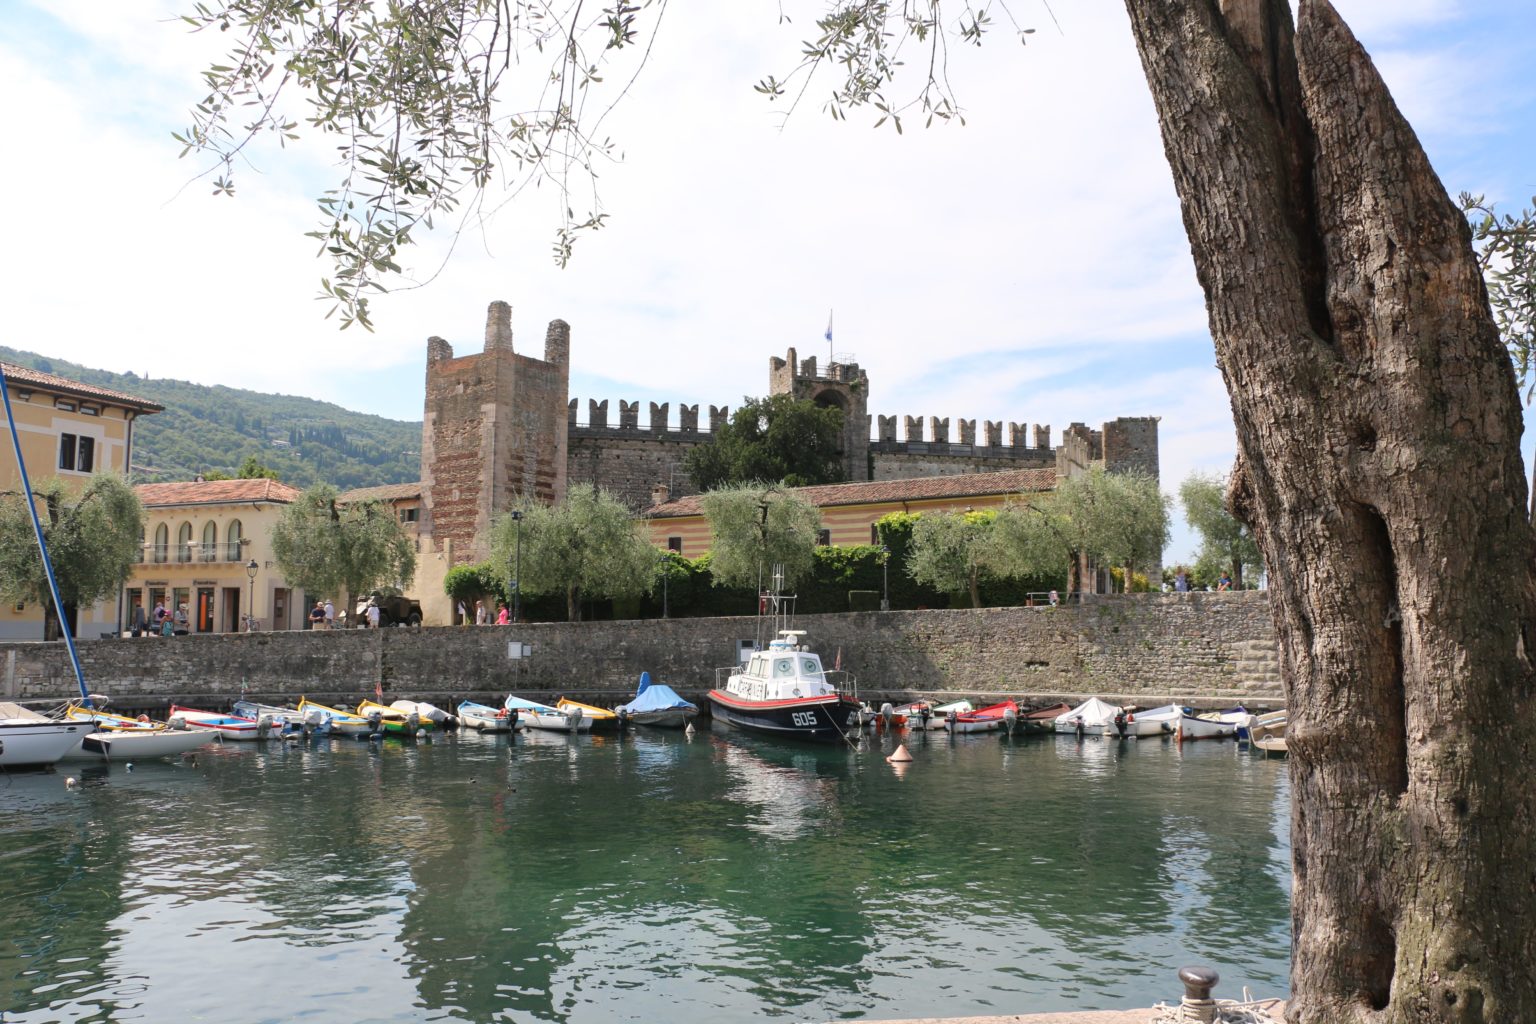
498 426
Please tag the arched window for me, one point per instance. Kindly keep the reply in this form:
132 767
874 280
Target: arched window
184 543
162 542
210 546
232 541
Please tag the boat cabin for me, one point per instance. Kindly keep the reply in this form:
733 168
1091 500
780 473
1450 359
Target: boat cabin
785 671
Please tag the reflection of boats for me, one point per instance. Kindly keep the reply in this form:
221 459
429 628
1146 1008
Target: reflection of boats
783 691
657 704
31 740
602 719
484 718
542 716
229 727
344 722
123 737
392 720
1092 716
987 719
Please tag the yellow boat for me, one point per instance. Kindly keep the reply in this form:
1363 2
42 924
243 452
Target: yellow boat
344 722
393 719
602 719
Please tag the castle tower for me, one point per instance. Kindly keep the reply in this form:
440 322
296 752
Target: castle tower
494 430
844 387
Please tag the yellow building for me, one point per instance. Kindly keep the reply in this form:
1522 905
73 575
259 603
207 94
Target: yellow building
208 547
70 430
849 512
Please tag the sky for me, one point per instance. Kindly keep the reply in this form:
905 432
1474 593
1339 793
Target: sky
1030 266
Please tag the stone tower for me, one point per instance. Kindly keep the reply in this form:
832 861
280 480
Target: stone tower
493 431
844 387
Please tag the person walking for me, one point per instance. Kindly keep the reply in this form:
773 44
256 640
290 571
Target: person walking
503 617
373 614
330 614
317 616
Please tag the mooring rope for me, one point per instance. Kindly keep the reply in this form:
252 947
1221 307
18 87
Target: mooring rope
1217 1011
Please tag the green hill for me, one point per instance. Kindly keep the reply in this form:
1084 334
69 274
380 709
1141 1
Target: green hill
207 429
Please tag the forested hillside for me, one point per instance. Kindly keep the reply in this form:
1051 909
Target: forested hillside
207 429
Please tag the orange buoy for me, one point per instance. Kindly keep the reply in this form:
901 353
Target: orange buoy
900 756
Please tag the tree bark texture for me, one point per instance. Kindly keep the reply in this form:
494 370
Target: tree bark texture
1378 428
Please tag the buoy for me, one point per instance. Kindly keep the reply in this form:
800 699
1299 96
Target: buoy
128 766
70 783
900 756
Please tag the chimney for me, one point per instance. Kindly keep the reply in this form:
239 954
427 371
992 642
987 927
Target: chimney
660 494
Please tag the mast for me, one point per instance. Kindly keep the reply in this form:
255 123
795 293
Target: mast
42 543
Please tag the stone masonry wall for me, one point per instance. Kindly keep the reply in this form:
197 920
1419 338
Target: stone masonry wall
1208 649
629 466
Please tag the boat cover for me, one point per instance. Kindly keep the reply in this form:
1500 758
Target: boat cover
1092 711
653 697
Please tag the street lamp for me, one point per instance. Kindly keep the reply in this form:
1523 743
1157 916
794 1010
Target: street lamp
885 578
517 564
251 568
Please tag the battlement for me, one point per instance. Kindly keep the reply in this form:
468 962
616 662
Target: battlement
782 373
935 431
658 422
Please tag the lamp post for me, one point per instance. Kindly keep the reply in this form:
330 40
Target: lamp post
885 578
251 568
517 564
666 574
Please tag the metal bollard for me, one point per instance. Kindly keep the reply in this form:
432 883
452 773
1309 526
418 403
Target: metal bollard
1197 1004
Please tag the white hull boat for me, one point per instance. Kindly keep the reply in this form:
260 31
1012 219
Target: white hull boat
1191 728
426 712
542 716
484 718
1163 721
140 744
228 727
31 740
1093 717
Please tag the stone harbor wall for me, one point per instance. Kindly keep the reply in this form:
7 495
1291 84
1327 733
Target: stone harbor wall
1204 649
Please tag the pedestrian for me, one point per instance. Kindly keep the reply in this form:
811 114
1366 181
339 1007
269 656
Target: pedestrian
503 617
373 614
1055 599
1225 583
479 613
330 614
1181 581
159 615
317 615
137 624
167 626
182 621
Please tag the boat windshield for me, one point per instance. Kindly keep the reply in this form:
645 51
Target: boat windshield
810 667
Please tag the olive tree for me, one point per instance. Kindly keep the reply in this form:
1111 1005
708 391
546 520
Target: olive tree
1226 544
953 551
1118 519
324 546
94 538
589 545
757 530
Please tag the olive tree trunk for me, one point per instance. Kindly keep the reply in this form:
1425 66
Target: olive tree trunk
1378 428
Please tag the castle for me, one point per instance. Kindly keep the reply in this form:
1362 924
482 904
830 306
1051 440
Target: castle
498 425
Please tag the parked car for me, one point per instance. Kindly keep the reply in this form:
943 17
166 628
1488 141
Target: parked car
393 611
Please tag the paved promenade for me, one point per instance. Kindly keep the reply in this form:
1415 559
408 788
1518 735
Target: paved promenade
1275 1010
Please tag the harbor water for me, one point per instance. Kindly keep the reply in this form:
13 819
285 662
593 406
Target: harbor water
655 876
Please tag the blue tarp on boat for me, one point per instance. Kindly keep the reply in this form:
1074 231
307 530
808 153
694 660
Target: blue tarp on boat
653 697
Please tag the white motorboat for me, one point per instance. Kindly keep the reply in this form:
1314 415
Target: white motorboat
1093 717
1189 727
32 740
228 727
1162 721
426 712
542 716
484 718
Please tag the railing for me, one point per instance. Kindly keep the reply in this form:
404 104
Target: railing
184 552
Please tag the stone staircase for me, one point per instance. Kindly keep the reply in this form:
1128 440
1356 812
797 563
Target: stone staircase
1256 668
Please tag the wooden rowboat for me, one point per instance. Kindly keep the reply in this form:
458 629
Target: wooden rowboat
228 727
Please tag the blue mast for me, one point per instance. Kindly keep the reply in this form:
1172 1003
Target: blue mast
42 544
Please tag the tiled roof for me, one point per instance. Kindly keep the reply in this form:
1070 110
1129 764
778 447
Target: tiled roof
965 485
384 492
20 375
215 492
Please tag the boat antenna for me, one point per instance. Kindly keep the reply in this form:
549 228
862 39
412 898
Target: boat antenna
42 544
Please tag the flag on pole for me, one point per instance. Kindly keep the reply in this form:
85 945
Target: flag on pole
378 690
829 325
837 666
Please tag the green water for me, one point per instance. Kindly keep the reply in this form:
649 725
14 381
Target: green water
656 877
